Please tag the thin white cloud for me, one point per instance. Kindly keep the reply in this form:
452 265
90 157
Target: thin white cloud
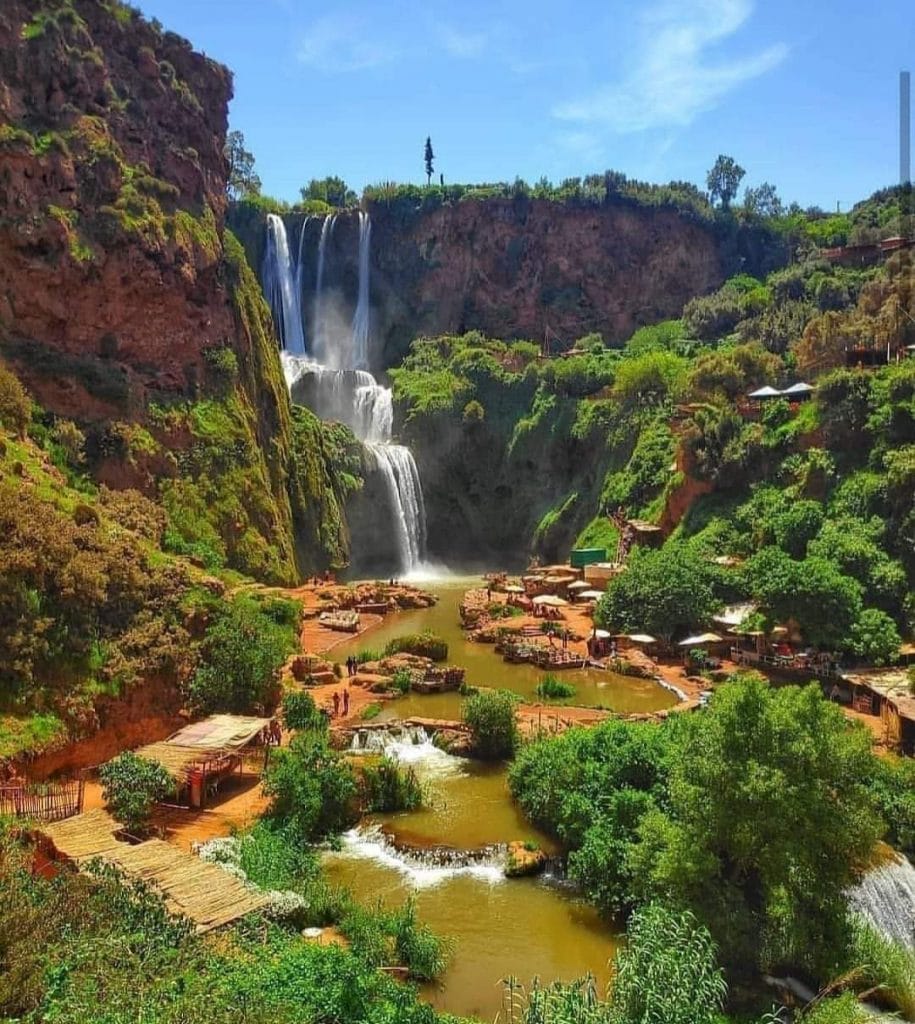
674 77
340 44
465 45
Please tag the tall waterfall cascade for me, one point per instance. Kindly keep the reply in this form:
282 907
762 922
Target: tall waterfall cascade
327 369
885 896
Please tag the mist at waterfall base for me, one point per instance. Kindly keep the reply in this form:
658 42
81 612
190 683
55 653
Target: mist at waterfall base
326 350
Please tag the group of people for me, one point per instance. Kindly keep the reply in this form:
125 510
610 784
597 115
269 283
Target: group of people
337 700
352 666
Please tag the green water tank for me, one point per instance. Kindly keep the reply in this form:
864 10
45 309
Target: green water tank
587 556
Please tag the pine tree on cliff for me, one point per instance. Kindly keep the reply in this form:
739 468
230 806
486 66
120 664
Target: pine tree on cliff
430 156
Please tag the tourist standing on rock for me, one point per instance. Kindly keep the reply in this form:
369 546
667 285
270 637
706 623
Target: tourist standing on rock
336 704
345 703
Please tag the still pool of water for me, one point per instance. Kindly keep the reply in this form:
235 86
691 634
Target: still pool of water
465 809
484 667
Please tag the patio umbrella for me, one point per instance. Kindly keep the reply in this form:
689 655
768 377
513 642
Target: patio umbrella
579 585
514 590
592 595
551 600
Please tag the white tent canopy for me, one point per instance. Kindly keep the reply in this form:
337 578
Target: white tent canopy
551 600
700 639
592 595
765 392
798 389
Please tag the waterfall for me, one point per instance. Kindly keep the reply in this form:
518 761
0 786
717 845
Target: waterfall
885 896
280 289
333 380
318 331
361 316
401 479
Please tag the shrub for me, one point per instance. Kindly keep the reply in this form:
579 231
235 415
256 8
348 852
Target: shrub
422 952
311 788
490 715
301 712
388 787
15 406
668 971
401 681
132 786
426 645
554 689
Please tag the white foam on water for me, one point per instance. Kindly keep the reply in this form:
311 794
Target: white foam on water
369 843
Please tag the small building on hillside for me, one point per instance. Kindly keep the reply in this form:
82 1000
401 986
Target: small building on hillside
886 692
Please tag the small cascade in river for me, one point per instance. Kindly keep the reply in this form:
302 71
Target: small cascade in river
279 287
329 374
885 896
408 744
424 867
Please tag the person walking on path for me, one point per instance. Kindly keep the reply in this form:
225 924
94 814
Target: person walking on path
336 703
345 703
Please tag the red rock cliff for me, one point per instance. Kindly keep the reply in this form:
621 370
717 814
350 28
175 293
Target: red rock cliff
122 303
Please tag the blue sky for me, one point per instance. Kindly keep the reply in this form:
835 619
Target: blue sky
804 93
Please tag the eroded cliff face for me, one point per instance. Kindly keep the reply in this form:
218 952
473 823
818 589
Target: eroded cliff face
123 305
522 268
535 269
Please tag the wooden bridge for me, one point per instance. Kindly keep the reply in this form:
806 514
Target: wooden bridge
205 893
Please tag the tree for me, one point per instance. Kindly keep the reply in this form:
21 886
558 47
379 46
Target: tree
665 593
768 815
763 201
241 656
132 786
724 179
874 638
429 157
491 718
331 190
311 787
242 179
824 602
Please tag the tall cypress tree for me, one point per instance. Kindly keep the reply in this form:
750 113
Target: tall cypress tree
430 156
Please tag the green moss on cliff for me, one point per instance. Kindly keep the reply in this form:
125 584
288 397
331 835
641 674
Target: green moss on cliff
326 470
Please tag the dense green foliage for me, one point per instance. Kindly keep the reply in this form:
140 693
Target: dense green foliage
490 714
426 645
242 651
552 688
752 813
665 593
132 785
301 712
312 789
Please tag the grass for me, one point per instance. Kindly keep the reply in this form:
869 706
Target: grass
29 733
370 711
552 688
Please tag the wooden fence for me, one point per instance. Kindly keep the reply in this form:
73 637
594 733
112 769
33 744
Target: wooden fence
51 801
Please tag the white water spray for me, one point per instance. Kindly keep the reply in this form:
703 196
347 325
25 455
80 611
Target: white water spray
319 327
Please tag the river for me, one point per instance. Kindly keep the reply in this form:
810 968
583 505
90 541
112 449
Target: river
498 927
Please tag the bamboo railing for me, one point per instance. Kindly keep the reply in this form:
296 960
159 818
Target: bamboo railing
51 801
